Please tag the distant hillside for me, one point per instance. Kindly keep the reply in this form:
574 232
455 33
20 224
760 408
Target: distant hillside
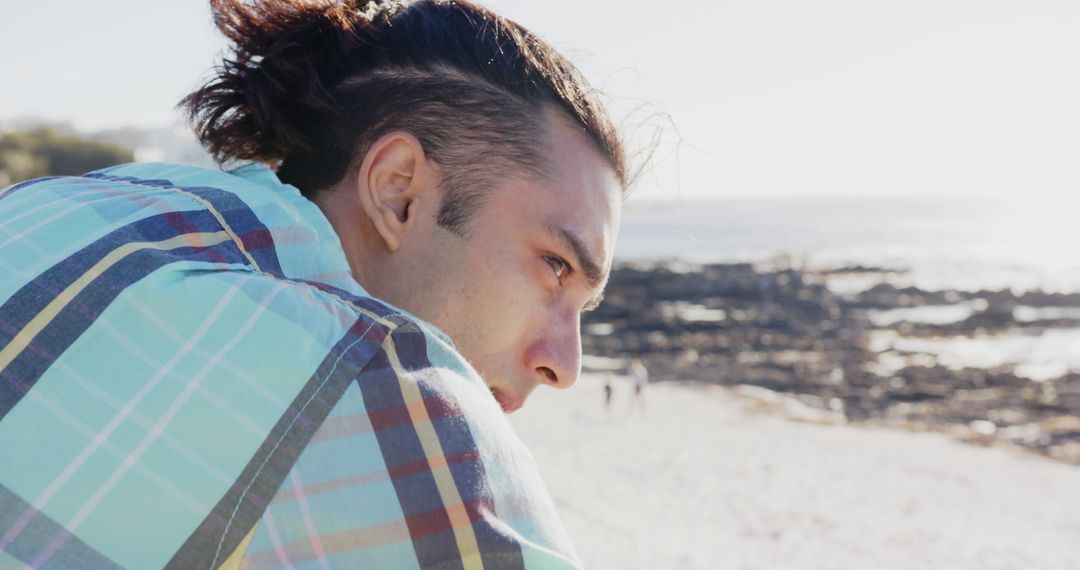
31 148
46 152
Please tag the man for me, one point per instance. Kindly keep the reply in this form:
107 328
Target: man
308 366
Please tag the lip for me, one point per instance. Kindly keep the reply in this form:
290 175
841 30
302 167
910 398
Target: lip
509 404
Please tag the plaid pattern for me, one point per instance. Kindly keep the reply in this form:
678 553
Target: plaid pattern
190 378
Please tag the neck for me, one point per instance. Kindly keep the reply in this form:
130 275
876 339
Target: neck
356 233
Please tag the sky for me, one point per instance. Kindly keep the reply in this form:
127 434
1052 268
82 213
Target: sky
736 98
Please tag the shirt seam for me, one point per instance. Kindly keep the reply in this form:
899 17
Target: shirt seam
314 394
218 216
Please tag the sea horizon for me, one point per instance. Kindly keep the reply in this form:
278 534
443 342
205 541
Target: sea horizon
932 242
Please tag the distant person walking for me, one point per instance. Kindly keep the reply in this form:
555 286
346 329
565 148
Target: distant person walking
608 390
640 375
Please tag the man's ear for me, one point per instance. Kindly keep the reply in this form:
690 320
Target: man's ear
394 181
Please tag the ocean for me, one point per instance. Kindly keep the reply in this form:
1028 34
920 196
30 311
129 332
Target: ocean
935 244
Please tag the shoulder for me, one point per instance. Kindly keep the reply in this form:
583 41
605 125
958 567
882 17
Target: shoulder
198 250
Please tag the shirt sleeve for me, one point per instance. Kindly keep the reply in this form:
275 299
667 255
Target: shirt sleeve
414 467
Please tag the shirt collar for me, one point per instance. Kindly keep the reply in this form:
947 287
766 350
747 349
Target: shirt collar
331 265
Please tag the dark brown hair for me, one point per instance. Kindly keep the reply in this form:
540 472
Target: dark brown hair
310 85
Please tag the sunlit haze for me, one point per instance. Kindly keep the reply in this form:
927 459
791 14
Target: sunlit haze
841 327
773 98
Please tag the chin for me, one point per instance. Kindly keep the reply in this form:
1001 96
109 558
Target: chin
508 402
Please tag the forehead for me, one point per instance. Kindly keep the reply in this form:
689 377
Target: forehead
582 193
579 194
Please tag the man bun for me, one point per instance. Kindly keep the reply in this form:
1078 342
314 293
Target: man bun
286 57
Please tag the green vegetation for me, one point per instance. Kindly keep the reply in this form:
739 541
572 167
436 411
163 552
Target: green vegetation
47 152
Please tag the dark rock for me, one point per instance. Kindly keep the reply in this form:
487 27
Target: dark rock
784 330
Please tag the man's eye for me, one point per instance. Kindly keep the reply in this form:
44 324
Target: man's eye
558 265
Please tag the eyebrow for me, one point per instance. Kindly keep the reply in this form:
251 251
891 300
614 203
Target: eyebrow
584 259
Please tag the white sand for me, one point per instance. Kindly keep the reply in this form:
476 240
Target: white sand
700 480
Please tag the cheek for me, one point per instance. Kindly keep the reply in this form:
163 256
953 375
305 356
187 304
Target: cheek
493 337
503 313
506 307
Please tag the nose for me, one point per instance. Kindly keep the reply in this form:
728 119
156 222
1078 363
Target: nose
555 357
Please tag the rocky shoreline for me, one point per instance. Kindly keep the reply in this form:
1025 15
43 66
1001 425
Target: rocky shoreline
848 353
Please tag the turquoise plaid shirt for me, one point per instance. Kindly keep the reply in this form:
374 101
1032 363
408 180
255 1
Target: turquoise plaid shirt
191 378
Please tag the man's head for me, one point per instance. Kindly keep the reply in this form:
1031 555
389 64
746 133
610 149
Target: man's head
472 176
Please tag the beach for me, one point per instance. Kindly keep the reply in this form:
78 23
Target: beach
717 477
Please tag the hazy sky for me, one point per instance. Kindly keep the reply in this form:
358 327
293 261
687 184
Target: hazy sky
753 97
